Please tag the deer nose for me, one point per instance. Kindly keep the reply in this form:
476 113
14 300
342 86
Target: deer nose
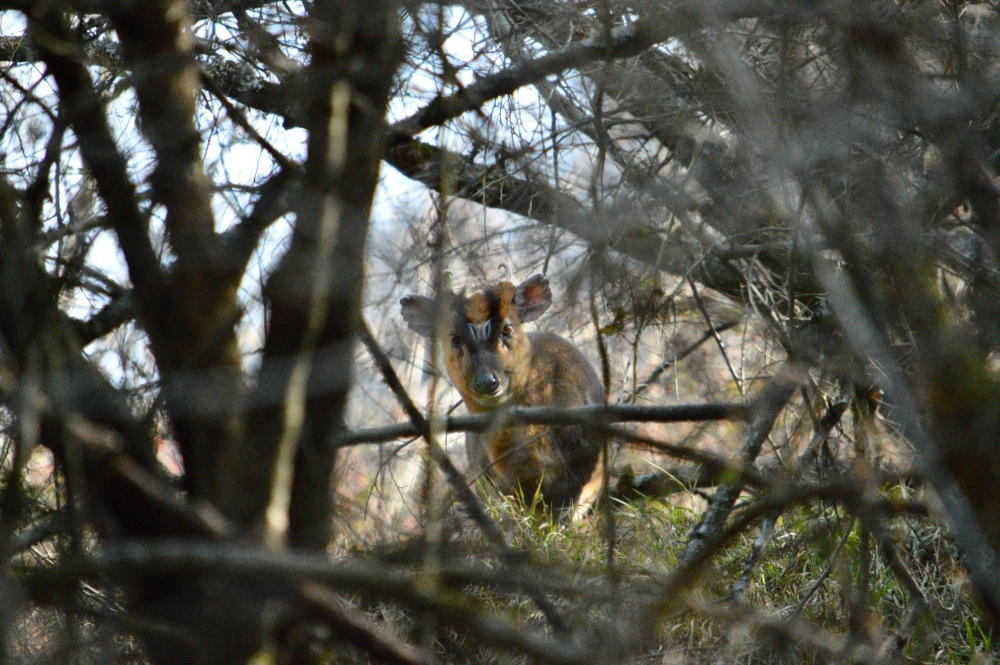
486 383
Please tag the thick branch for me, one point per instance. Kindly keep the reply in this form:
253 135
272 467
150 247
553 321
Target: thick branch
495 187
315 292
399 584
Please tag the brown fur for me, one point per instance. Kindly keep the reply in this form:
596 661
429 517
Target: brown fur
536 369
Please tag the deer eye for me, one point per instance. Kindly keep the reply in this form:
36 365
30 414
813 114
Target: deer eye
507 330
456 341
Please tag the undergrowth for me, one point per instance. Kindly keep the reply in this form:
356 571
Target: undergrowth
823 590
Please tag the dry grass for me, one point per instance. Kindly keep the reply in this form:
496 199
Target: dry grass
807 600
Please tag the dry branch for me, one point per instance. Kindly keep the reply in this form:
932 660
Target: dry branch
761 415
596 415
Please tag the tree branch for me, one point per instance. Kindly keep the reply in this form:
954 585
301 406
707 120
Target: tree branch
624 42
117 312
594 415
762 415
85 112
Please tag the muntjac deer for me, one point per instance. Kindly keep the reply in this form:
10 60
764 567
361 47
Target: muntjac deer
494 364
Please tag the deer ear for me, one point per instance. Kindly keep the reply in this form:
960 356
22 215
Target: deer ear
418 312
532 298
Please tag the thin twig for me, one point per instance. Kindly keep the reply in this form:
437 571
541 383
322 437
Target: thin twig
656 373
826 571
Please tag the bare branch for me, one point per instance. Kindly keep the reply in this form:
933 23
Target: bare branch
762 415
117 312
86 116
581 415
